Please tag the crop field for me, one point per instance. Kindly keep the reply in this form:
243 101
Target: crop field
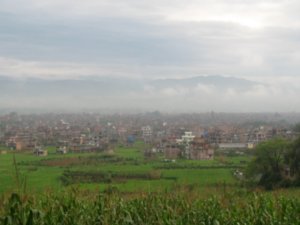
69 208
124 187
126 169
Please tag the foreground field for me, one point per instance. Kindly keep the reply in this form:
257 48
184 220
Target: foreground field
124 187
126 170
162 208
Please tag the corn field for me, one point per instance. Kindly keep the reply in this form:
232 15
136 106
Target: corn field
163 208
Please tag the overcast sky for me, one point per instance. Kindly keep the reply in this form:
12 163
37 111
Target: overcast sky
66 39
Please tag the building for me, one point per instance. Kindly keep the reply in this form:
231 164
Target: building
228 146
77 148
186 138
185 141
147 133
172 151
61 150
39 151
200 150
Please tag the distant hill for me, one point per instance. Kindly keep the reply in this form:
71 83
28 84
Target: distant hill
189 94
217 81
110 86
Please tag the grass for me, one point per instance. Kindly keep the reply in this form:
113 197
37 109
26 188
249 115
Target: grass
43 173
185 192
201 177
37 177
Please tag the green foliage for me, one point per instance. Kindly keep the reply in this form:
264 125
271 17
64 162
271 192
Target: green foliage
293 160
20 212
297 128
164 208
72 177
276 164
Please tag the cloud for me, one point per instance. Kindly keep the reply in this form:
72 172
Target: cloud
258 98
73 39
144 36
184 96
248 13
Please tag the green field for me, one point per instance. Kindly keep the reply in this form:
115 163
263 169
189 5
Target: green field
125 188
125 170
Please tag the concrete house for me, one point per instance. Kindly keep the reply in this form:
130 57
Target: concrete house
39 151
200 150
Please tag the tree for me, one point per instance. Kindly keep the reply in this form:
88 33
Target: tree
293 160
297 128
269 162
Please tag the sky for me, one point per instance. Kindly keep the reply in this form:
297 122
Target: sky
159 39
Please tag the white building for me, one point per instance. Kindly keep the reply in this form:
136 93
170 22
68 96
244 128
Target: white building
186 138
146 133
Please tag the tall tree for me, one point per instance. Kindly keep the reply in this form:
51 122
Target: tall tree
293 160
268 163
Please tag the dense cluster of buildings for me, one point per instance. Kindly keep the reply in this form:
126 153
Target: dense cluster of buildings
174 136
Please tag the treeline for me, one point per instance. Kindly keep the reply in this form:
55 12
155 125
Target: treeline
276 164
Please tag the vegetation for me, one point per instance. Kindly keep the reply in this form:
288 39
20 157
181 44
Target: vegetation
292 159
127 169
160 208
296 128
276 164
126 188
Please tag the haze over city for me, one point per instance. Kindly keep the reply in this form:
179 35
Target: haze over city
149 112
172 56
